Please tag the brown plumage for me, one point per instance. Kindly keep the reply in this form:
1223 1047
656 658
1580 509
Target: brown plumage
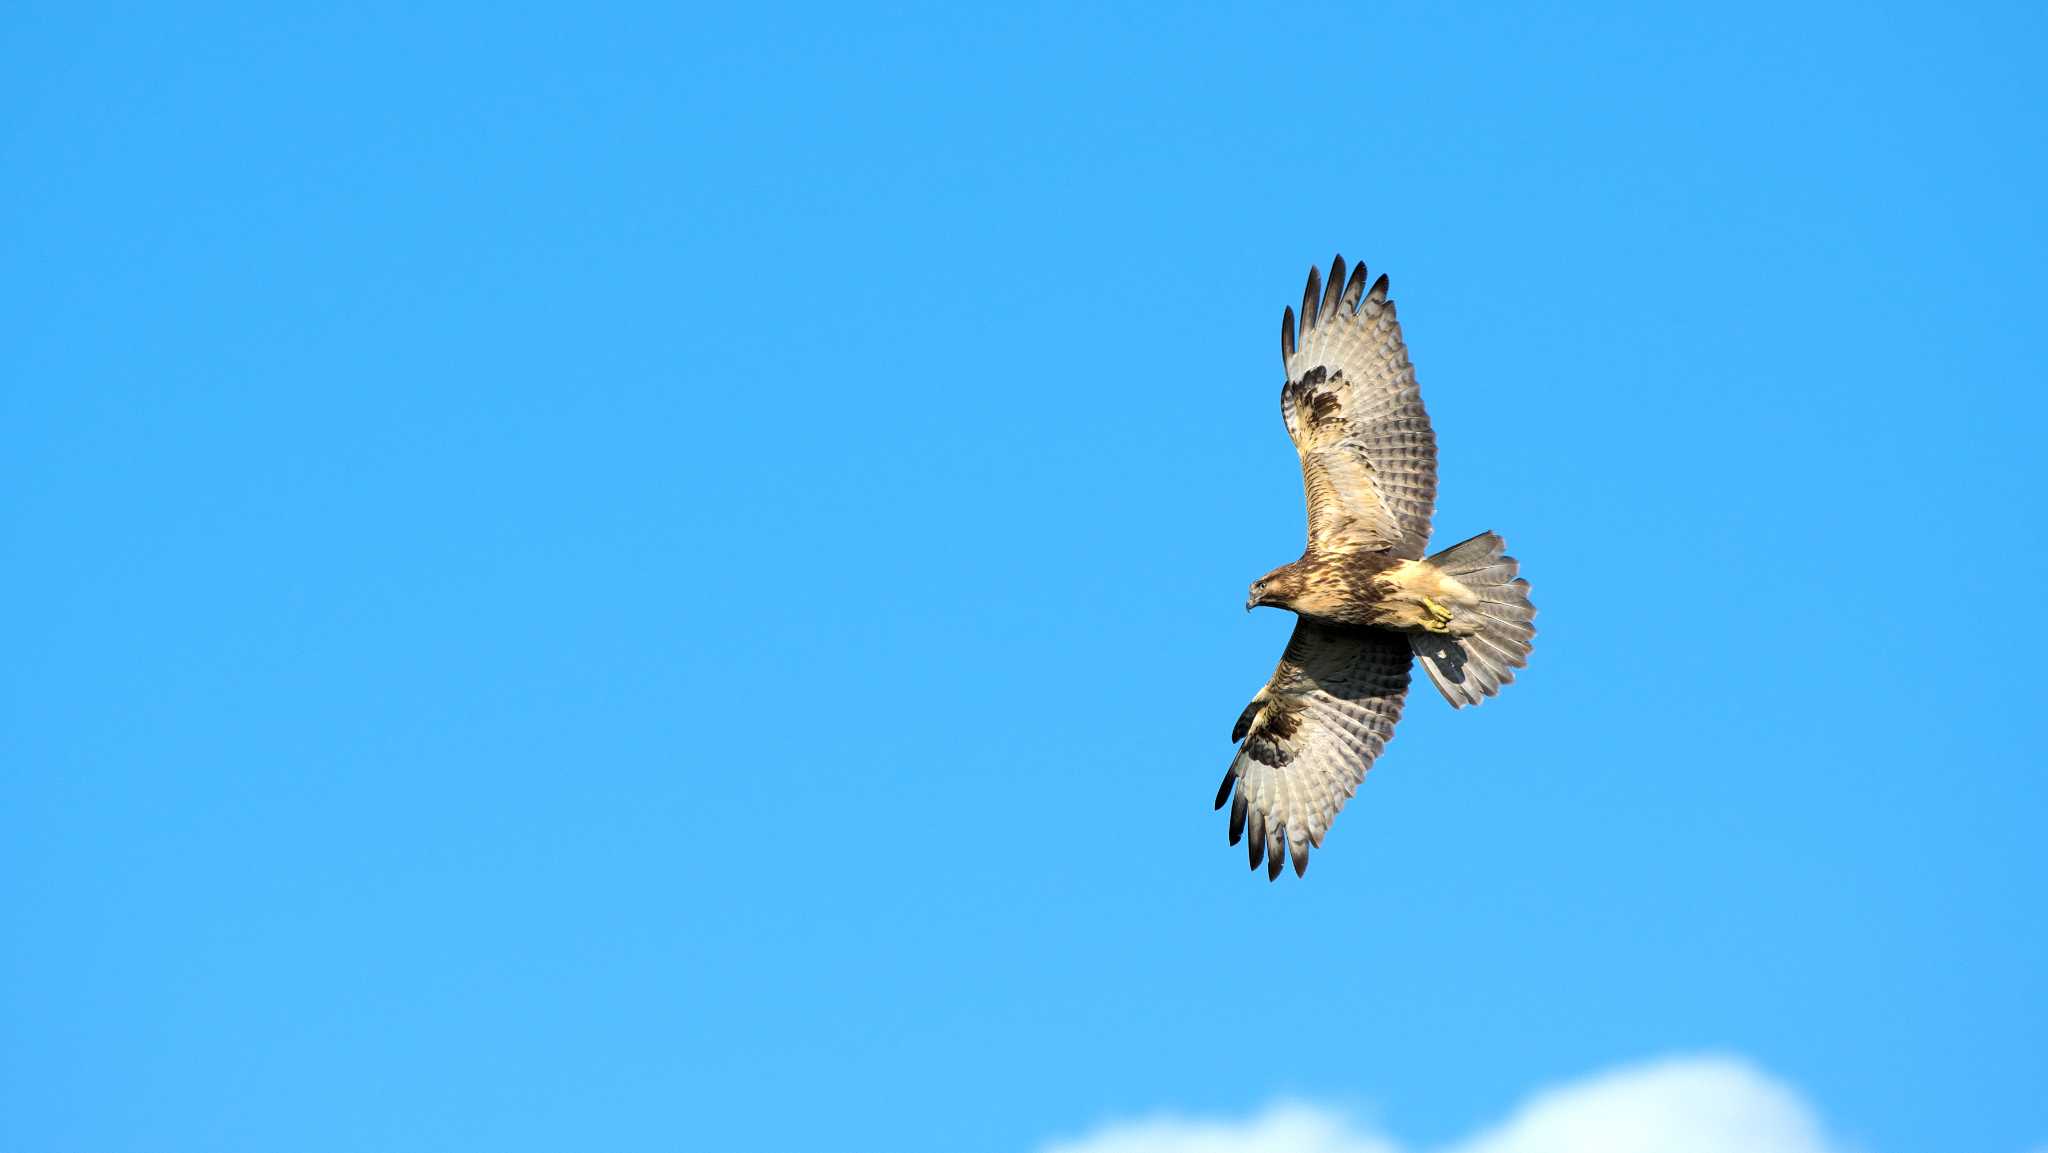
1367 600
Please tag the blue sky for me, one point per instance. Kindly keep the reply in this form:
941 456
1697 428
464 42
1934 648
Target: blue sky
657 578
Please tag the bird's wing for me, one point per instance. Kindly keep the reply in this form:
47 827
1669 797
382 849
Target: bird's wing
1368 455
1310 735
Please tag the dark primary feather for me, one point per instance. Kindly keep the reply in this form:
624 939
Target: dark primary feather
1355 289
1244 723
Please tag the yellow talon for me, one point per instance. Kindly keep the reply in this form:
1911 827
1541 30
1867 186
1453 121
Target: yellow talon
1437 612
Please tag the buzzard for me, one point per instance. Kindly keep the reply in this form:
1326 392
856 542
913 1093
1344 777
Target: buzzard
1366 599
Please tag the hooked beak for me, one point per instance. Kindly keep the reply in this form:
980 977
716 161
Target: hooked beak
1250 602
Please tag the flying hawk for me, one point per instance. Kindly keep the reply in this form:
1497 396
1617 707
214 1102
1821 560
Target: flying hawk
1365 597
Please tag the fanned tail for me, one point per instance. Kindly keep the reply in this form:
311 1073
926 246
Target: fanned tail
1468 668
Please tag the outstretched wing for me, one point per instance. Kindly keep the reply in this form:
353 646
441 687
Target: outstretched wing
1310 735
1368 455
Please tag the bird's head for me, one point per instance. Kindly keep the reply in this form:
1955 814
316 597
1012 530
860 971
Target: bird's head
1276 588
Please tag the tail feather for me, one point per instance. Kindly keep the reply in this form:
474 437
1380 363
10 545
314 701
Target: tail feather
1467 669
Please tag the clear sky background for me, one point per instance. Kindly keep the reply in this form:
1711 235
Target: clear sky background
657 578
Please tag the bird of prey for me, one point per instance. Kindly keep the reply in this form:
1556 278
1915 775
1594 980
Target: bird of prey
1366 598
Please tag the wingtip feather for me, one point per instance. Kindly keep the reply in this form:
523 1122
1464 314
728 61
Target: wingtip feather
1354 290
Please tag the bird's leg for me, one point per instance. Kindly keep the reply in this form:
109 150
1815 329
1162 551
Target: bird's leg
1439 619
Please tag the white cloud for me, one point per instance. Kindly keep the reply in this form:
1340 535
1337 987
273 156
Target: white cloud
1281 1129
1284 1128
1682 1105
1678 1105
